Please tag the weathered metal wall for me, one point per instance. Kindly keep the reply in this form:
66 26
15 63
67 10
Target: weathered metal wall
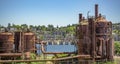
6 42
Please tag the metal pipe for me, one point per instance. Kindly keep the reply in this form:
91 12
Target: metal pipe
10 54
104 49
100 47
96 11
80 17
20 42
93 38
108 44
43 60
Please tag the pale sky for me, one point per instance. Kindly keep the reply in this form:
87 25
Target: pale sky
56 12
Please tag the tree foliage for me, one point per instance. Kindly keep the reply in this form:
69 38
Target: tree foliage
117 48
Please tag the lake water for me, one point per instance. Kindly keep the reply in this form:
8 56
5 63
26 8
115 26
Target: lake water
57 48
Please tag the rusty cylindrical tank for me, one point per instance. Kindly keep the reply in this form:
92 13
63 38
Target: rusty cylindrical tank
29 42
24 42
6 42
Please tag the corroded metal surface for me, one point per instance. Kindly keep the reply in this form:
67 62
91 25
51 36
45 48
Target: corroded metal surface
10 54
95 37
18 42
29 41
24 42
6 42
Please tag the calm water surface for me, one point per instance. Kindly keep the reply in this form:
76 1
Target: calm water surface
57 48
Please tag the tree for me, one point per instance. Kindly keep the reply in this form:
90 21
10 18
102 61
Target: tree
9 26
50 28
57 26
18 27
31 26
24 27
39 27
43 28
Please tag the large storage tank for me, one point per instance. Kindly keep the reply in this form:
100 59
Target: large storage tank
29 42
6 42
24 42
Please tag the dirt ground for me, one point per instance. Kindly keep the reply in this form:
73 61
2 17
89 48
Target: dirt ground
117 59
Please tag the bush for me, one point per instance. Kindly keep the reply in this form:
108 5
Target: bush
117 48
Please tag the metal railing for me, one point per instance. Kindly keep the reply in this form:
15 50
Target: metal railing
57 62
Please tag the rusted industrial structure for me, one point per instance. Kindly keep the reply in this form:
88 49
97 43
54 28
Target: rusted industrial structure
24 42
6 42
7 46
94 41
14 44
94 36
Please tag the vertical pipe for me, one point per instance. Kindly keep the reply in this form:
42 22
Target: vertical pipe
96 11
20 42
108 44
34 43
109 48
112 51
111 45
93 39
23 45
104 50
92 29
80 17
100 48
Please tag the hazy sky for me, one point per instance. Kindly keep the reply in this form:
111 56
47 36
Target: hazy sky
56 12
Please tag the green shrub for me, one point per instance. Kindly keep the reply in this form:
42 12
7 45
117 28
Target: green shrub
117 48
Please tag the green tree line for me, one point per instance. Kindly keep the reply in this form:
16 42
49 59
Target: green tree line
67 29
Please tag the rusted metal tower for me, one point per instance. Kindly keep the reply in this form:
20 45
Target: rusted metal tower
95 37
